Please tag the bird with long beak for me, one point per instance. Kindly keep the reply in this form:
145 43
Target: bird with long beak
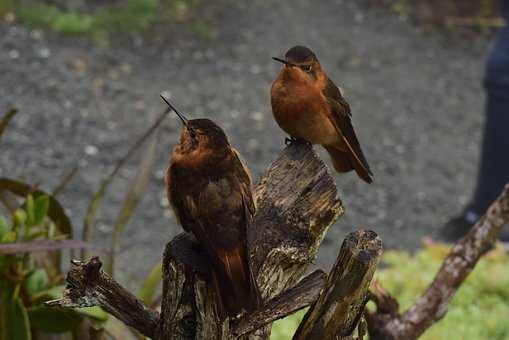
209 189
308 105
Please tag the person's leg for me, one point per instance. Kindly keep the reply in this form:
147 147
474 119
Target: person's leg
494 167
494 163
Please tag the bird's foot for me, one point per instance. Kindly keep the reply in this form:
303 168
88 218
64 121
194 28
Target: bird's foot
295 140
290 140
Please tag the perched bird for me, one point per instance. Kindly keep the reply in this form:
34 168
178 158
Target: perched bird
308 105
209 190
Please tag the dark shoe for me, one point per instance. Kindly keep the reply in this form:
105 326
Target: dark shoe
459 226
456 228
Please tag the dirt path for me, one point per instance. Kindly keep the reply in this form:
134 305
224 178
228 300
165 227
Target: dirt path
417 106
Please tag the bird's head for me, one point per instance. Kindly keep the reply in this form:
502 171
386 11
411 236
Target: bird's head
199 135
300 64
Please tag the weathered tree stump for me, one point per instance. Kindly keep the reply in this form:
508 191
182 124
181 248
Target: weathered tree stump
296 203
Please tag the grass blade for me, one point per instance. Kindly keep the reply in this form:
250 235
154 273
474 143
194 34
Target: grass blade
95 202
133 197
64 181
5 120
147 292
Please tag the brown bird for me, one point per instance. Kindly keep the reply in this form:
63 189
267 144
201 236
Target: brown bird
209 189
308 105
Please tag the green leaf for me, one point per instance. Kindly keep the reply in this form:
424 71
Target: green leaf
37 281
95 312
54 320
52 293
9 237
133 197
30 210
5 120
41 207
20 217
55 210
150 285
4 228
16 322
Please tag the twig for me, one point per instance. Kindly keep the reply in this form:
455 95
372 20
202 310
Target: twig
432 306
300 296
89 286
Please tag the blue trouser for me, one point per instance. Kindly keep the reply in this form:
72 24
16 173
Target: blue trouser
494 166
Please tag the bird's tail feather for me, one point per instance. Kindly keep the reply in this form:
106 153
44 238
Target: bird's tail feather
344 162
235 283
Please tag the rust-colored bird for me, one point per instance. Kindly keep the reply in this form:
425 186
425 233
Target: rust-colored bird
209 190
308 105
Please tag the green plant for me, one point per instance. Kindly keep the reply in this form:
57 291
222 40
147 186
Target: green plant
31 246
27 279
101 22
478 311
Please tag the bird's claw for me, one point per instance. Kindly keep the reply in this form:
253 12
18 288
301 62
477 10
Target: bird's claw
290 140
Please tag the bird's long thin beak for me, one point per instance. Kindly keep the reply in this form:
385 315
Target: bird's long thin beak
179 114
283 61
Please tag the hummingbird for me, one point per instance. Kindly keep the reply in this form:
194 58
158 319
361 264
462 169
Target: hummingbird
307 105
209 189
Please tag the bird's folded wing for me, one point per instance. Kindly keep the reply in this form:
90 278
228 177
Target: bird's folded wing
341 118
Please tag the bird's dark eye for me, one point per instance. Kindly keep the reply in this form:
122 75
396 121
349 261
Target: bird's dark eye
307 68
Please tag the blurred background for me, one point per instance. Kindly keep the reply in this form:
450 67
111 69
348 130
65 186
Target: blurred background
86 78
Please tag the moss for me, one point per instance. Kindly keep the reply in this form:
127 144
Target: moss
479 310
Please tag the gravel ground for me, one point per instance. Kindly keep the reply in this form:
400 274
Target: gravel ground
416 100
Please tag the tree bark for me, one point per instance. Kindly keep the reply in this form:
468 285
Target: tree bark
338 309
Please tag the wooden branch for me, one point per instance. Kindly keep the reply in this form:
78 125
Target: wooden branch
300 296
296 203
338 309
432 306
89 286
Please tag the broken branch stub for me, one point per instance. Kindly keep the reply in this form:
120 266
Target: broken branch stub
341 303
89 286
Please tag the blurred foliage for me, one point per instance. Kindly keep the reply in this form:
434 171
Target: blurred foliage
31 243
28 279
482 16
101 20
478 311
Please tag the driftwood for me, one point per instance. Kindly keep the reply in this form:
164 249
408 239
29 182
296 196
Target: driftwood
341 304
387 323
